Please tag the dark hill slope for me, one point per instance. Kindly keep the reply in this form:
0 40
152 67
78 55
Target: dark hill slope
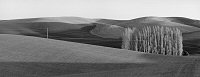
186 21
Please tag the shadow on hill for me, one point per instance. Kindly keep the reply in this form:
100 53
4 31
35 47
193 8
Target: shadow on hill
60 31
79 35
192 46
186 21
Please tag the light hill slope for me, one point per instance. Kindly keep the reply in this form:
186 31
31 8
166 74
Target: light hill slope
38 57
20 26
111 21
38 26
71 20
34 49
108 31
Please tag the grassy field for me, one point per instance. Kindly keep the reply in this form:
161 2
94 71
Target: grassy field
23 56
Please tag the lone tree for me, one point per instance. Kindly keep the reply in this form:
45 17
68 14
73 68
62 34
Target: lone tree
154 39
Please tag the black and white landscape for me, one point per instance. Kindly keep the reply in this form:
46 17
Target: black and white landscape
69 46
81 47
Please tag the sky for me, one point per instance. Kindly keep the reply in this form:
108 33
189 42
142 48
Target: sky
110 9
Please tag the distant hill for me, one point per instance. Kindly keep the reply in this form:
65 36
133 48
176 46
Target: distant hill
73 29
152 21
186 21
71 20
37 26
102 32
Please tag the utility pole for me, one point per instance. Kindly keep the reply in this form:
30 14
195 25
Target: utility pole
47 32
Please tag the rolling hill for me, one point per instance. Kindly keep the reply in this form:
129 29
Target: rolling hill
73 29
27 48
27 56
25 51
102 32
